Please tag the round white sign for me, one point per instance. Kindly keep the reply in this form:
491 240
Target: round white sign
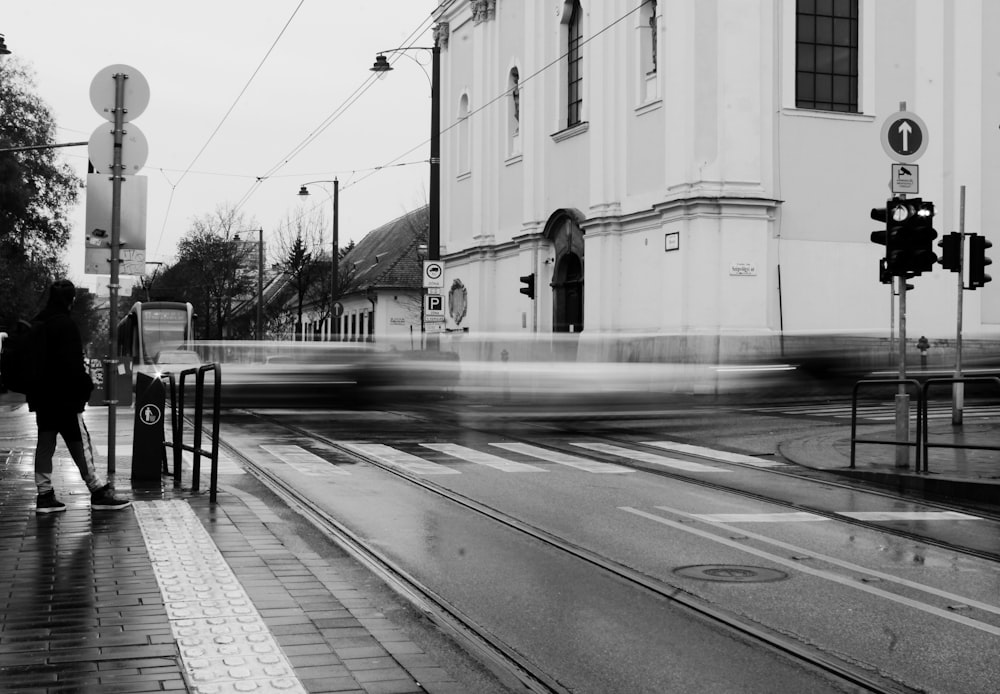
101 149
102 92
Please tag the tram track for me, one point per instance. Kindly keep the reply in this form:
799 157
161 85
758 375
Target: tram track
494 652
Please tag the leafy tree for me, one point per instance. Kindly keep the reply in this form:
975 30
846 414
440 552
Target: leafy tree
36 194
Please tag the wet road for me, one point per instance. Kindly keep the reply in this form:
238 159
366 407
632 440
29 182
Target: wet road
627 563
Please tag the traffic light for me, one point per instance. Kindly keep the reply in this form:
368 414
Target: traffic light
918 236
890 238
529 285
978 261
908 236
951 250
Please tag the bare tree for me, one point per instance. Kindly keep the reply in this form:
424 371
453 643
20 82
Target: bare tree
300 257
223 268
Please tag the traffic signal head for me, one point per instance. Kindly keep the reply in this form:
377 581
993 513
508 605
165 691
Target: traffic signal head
529 285
951 250
978 261
907 237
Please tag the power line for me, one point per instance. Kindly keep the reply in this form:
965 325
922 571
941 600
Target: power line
218 127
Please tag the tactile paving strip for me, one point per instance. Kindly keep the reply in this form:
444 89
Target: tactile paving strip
225 645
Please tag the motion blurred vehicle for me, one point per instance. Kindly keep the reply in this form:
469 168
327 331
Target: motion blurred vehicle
175 361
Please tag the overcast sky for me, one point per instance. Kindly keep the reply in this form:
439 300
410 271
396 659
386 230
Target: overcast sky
291 125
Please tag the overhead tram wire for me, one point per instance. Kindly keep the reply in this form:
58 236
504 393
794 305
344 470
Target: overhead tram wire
214 132
393 162
327 122
504 93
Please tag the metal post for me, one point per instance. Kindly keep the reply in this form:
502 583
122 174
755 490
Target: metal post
111 374
434 216
958 389
902 397
260 284
335 260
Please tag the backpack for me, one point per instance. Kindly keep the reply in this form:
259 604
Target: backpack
19 358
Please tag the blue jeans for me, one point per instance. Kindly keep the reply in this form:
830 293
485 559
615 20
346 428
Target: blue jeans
71 427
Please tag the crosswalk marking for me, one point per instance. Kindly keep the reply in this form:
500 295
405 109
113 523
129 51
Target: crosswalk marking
227 466
786 517
481 458
907 515
303 461
644 457
562 458
724 456
401 459
884 412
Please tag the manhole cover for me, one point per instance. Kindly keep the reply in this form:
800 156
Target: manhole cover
731 573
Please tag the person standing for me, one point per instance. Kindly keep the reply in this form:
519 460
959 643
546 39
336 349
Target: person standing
58 397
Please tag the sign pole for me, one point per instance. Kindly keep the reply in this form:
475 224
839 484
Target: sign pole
111 370
958 389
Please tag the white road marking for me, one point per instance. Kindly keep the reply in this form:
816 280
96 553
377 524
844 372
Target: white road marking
906 515
802 567
788 517
401 459
306 462
645 457
712 454
563 458
482 458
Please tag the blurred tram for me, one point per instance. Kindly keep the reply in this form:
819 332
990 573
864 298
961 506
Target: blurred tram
154 326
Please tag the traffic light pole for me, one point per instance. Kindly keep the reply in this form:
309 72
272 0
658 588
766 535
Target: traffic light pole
958 389
902 397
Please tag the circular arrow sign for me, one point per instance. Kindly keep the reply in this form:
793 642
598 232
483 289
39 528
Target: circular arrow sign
904 137
102 92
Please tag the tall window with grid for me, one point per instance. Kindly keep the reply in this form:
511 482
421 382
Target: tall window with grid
574 82
826 55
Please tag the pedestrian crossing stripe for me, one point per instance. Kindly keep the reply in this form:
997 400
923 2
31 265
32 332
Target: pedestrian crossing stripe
645 457
301 460
561 458
907 515
805 516
393 457
481 458
879 413
723 456
790 516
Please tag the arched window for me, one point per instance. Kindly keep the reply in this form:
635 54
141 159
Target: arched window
513 113
574 66
464 144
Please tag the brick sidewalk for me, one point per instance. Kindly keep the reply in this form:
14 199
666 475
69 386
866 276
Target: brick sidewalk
82 610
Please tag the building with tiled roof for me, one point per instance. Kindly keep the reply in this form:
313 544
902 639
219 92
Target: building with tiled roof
384 292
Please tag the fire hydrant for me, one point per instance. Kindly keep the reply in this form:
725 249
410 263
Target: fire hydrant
923 345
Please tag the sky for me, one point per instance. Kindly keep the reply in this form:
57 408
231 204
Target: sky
248 100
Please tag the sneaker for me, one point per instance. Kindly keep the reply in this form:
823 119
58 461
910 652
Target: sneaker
104 499
48 503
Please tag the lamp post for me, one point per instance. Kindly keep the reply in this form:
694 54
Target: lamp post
334 259
434 224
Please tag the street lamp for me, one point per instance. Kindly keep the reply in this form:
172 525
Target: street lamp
434 224
304 190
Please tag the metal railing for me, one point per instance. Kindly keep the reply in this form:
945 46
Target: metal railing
925 443
921 415
177 413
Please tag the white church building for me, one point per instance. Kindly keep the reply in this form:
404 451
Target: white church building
694 167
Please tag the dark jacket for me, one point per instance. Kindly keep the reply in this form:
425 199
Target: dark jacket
62 382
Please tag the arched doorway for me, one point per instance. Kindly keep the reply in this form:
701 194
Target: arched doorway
567 299
564 232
